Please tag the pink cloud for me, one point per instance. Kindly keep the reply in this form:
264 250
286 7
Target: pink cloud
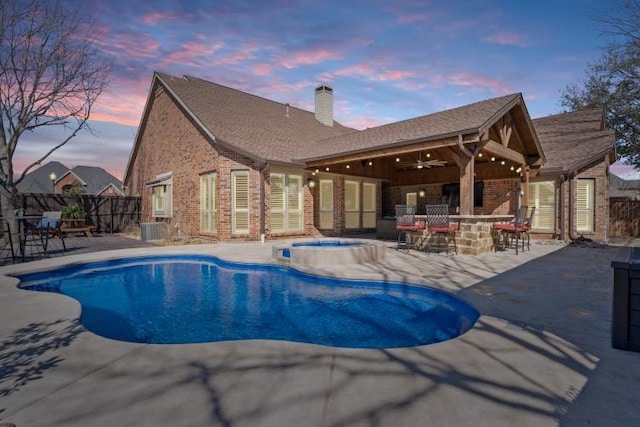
158 16
506 39
262 69
412 18
369 72
309 58
479 82
364 122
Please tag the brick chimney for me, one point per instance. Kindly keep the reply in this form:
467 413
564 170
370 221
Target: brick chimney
324 105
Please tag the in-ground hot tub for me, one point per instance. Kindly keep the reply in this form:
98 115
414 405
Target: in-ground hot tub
329 251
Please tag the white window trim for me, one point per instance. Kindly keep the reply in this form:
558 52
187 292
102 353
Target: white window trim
369 206
235 210
589 211
163 183
354 213
287 209
209 208
326 206
542 210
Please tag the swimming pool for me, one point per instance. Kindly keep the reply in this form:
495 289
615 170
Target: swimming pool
193 299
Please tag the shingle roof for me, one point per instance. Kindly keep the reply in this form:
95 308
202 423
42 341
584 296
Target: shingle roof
38 180
248 122
573 140
95 177
466 119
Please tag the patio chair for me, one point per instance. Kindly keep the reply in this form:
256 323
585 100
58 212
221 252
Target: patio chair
406 225
512 231
39 234
6 241
442 231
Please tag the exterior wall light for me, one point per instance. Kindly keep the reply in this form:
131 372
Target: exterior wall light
422 192
311 183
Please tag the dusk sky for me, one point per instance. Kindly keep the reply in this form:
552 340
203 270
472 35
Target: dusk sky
386 60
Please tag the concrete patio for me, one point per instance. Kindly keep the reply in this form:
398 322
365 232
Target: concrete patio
540 355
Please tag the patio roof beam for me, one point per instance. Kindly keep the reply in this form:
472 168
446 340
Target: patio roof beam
503 152
385 152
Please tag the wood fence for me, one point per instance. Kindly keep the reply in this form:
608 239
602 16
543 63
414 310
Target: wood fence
109 214
624 217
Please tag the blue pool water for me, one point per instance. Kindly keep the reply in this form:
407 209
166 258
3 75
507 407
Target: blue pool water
192 299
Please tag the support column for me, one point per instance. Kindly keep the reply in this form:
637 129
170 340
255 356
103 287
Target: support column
466 161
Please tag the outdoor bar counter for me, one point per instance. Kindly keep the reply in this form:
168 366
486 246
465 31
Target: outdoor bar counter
474 237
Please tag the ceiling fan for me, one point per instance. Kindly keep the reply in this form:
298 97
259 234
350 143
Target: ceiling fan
420 164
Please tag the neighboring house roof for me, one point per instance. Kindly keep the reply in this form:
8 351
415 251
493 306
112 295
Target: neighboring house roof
38 181
574 140
263 129
624 181
95 178
469 119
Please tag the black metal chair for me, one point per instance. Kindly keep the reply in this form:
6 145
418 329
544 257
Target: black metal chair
440 228
512 231
39 233
406 225
6 240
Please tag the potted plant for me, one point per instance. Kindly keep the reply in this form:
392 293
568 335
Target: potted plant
72 212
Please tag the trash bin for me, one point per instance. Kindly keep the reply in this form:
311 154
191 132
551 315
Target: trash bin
625 319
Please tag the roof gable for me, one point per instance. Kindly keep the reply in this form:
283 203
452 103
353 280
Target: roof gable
574 140
264 129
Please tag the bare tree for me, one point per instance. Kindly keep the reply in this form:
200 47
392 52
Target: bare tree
51 74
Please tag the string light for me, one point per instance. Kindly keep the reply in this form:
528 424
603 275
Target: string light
327 169
397 159
502 162
480 155
348 166
370 163
493 159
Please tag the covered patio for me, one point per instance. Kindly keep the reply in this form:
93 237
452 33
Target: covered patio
477 159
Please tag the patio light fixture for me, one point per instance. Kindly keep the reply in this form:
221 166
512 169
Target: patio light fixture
348 166
370 163
502 162
493 159
53 177
311 183
422 192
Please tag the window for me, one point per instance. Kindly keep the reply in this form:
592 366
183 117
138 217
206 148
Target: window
351 204
208 206
585 206
412 199
326 204
286 203
368 205
240 202
542 196
451 195
161 195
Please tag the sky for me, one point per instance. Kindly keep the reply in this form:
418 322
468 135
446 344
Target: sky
385 60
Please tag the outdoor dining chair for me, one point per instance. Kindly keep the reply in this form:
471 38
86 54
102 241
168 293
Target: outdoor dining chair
39 233
513 231
406 225
442 231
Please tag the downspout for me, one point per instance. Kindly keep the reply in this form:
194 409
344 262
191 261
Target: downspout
263 208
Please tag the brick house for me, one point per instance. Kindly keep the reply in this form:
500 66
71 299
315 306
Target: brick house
212 160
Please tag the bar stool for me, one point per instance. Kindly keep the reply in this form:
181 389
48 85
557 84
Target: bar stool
406 226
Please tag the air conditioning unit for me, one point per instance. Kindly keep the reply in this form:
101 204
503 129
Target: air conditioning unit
151 230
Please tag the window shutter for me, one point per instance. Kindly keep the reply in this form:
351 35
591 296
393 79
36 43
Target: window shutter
326 204
240 202
585 205
277 202
544 197
208 211
352 204
294 203
368 205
